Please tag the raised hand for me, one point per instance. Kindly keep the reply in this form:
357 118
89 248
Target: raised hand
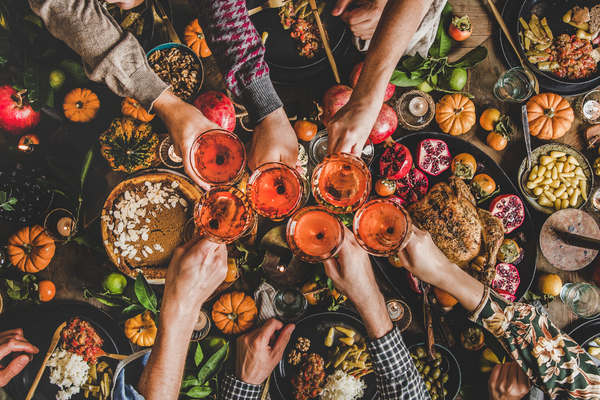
22 351
362 18
273 140
508 382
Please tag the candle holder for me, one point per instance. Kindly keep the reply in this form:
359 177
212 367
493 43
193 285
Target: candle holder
399 313
317 150
167 154
60 224
3 257
588 107
202 326
415 110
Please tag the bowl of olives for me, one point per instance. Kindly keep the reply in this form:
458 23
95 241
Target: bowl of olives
441 375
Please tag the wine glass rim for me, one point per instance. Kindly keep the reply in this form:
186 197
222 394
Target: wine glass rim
264 168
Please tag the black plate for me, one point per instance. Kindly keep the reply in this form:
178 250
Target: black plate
315 329
397 276
511 12
454 374
39 332
586 331
281 54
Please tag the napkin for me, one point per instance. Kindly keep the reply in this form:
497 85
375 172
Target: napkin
423 37
263 297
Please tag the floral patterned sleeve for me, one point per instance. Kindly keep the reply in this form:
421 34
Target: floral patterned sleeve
551 359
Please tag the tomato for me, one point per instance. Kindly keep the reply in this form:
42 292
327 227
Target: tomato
305 130
26 140
385 187
460 28
472 339
395 261
232 270
464 166
46 290
313 298
496 140
482 185
489 118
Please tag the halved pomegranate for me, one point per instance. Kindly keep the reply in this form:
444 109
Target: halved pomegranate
509 208
398 200
395 162
389 90
413 186
385 125
334 98
507 278
507 296
433 156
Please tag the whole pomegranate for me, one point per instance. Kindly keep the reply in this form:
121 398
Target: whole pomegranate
433 156
413 187
218 108
389 90
385 126
507 278
16 115
509 208
334 98
395 162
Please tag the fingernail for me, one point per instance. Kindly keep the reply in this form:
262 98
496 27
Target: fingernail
22 361
335 11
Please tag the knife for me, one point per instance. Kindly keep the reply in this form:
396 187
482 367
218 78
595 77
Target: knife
577 240
313 6
526 134
425 288
170 29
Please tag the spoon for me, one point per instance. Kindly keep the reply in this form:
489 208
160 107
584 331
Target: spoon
53 344
527 137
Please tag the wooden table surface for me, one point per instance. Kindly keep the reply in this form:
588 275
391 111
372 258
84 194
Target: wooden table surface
73 267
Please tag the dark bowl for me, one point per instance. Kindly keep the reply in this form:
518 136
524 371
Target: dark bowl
454 375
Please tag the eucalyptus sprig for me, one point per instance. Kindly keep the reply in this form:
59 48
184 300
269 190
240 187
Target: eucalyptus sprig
7 203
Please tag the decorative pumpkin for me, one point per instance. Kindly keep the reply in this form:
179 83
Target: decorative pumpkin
141 329
81 105
30 249
550 116
132 108
129 145
193 37
455 114
234 313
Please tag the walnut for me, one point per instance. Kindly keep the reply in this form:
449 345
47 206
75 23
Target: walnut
303 344
294 357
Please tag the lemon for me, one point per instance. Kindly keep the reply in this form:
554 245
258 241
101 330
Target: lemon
549 284
57 78
114 283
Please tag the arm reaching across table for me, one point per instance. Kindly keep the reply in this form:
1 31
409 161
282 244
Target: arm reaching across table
13 342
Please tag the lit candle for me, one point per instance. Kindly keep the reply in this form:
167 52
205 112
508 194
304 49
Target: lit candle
281 268
591 109
418 106
202 320
64 226
174 157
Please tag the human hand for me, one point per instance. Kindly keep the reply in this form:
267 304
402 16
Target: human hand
350 127
196 270
273 140
255 356
184 122
508 382
14 342
363 18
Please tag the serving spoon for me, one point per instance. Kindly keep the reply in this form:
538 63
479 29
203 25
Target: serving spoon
53 344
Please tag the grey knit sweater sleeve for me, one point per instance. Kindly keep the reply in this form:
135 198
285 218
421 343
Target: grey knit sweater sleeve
109 55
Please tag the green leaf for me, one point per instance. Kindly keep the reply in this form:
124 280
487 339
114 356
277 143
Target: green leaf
188 381
37 83
130 312
50 101
2 197
5 48
198 356
4 18
402 79
29 278
102 298
87 161
7 207
471 59
442 43
12 201
330 284
213 364
70 193
414 63
199 392
439 89
74 69
89 242
145 294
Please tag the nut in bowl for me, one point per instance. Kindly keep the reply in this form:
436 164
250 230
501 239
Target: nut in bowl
560 177
177 65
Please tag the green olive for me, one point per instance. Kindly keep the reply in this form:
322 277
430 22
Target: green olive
433 390
438 355
445 378
436 373
430 379
435 396
420 352
422 376
420 367
413 355
438 384
427 385
445 392
426 369
437 363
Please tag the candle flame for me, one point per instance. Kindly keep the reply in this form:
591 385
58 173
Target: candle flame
24 147
281 268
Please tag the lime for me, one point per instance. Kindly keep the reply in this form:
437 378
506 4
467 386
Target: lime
35 19
114 283
454 79
424 86
57 78
212 344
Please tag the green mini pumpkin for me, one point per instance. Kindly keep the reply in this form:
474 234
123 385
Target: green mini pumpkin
129 145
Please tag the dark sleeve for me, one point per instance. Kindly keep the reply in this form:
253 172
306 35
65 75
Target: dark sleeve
109 55
239 53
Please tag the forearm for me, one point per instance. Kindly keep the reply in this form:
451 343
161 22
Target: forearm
162 376
462 286
109 55
239 53
373 312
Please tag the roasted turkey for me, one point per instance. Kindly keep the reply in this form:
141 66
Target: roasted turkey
461 230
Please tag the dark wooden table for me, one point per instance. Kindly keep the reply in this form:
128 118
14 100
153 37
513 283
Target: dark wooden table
75 267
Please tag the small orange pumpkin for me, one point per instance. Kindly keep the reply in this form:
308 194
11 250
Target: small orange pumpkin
30 249
550 116
81 105
455 114
132 108
195 40
141 329
234 313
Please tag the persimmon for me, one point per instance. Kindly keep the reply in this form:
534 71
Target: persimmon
305 130
46 290
483 185
489 118
444 298
385 187
312 298
496 140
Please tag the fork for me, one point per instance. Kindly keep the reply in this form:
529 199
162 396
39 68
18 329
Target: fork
171 34
159 25
268 4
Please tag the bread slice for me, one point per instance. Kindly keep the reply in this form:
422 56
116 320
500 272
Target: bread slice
595 21
580 15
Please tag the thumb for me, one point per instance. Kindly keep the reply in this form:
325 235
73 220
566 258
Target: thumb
13 369
282 340
340 7
332 269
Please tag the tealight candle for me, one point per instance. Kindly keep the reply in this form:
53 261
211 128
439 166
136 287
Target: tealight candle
64 226
418 106
591 109
174 157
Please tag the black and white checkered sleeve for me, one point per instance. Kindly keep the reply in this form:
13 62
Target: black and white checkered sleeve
234 389
397 376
